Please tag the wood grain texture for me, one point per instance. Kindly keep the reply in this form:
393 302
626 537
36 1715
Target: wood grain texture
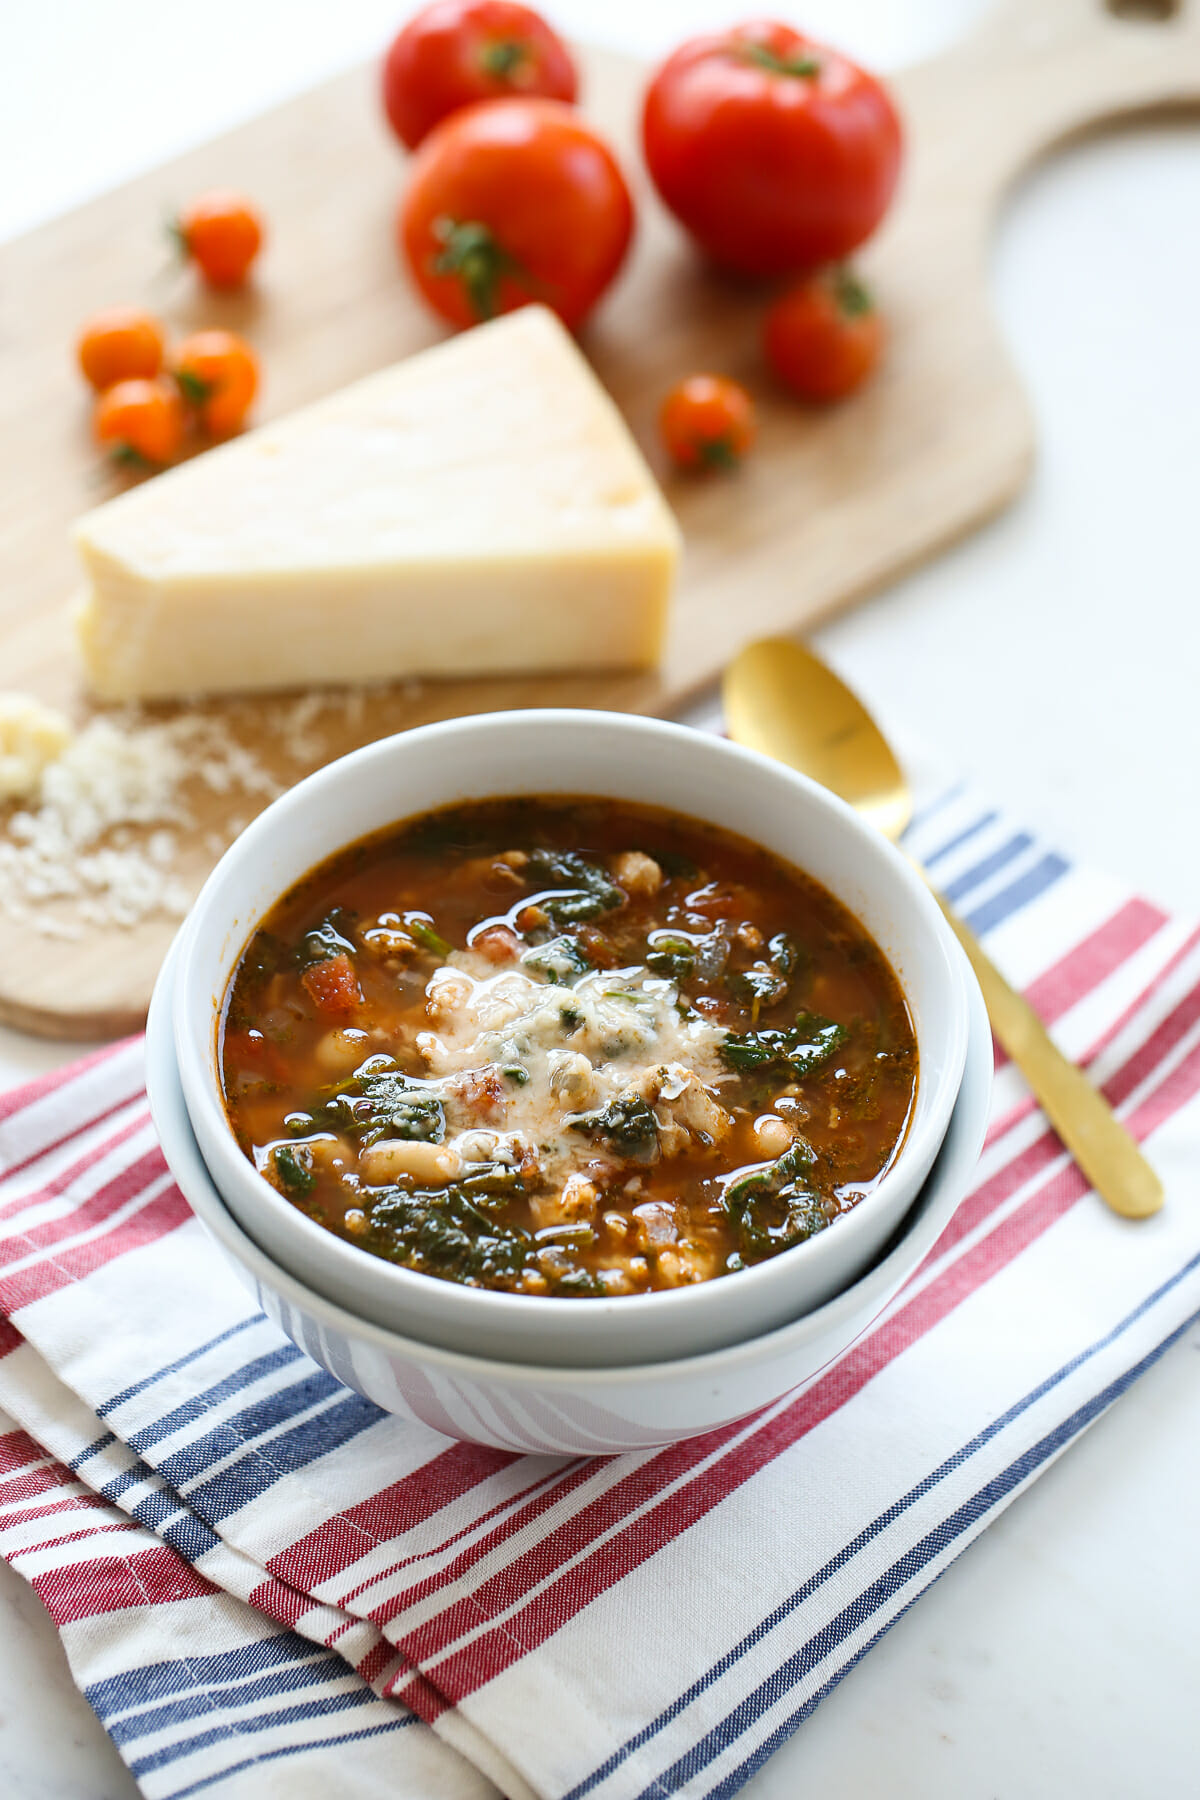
830 506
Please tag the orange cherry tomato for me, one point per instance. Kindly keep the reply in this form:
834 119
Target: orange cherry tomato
455 52
217 374
510 201
824 337
142 421
221 233
122 344
707 422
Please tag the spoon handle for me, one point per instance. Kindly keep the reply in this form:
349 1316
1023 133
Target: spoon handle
1082 1117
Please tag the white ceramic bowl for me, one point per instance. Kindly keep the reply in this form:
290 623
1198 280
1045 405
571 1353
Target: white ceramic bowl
621 757
562 1410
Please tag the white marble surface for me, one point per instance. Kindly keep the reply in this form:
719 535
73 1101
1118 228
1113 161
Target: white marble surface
1055 656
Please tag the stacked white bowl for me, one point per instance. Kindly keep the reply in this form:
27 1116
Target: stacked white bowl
531 1372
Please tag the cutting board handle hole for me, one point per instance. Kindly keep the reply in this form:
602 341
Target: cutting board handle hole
1145 12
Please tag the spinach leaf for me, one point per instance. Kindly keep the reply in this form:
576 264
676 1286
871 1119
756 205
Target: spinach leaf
674 864
577 1281
767 980
560 960
491 1182
669 953
587 889
807 1044
627 1123
386 1103
785 954
771 1180
445 1232
777 1206
334 936
459 1233
757 986
296 1176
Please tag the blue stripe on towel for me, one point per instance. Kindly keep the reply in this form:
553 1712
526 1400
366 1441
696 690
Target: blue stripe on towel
959 839
1029 887
991 865
197 1405
245 1728
205 1702
158 1681
148 1381
234 1487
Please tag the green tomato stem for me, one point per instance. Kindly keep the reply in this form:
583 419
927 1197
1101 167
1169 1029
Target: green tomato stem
803 67
470 251
503 58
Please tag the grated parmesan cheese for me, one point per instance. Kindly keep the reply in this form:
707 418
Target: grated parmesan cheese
102 829
101 819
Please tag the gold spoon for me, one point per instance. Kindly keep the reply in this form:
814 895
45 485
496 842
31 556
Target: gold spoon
782 701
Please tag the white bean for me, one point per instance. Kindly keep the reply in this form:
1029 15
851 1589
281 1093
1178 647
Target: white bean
772 1135
393 1157
637 873
329 1152
341 1050
682 1264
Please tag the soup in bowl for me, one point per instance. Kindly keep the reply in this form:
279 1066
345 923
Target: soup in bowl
571 1038
560 1045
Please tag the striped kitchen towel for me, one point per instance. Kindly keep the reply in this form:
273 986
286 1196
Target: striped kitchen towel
253 1567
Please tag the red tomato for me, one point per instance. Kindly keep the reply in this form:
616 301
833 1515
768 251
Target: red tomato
458 51
332 985
707 422
513 201
776 153
251 1051
824 337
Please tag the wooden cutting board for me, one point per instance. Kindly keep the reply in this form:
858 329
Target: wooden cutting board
829 506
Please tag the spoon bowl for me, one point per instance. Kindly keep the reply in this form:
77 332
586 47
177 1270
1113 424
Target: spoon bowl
784 702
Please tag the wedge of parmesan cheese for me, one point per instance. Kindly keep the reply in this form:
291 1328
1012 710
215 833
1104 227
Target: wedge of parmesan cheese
476 509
